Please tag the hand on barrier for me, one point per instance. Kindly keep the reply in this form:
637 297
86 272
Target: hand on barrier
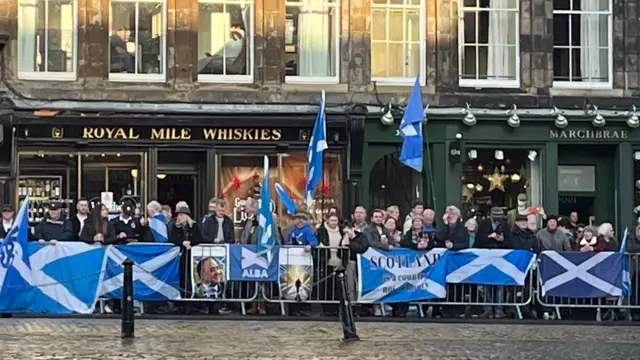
448 244
41 242
122 235
390 247
307 248
186 244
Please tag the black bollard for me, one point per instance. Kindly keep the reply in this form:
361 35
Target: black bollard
127 326
346 312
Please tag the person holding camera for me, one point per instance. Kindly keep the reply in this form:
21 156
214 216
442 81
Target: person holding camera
416 238
453 235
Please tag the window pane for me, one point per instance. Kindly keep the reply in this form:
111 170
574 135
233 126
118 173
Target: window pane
469 19
561 64
396 60
469 70
561 29
396 22
313 51
224 39
413 27
122 41
413 60
46 35
378 25
137 37
379 59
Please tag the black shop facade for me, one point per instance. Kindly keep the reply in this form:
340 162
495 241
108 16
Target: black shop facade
169 158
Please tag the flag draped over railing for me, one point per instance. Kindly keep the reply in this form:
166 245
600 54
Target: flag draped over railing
266 239
158 226
411 130
317 145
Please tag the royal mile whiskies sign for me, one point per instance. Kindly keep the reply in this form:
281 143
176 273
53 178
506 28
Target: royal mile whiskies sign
589 134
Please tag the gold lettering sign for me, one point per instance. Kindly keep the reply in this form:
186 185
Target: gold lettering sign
589 134
179 133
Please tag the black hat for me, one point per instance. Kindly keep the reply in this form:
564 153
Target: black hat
300 213
183 210
552 217
54 206
521 218
7 207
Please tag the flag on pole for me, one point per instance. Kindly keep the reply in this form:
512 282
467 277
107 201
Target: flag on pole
286 199
626 274
266 239
317 145
15 269
411 130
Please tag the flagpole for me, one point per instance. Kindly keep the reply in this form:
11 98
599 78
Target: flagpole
429 171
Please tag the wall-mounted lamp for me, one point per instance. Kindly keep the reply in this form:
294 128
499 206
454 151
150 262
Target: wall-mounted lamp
161 176
532 155
561 122
134 173
514 119
387 118
499 155
633 120
473 154
469 119
598 120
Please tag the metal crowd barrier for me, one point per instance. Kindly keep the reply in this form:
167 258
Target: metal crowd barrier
611 306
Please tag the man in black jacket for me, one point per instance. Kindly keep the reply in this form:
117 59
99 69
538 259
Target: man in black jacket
376 232
522 238
453 235
494 232
7 220
77 220
219 228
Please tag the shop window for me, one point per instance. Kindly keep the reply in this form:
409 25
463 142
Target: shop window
47 39
397 40
312 40
328 193
241 177
496 178
489 39
582 51
225 40
137 40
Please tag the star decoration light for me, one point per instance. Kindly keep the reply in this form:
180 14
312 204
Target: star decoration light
236 182
303 180
496 180
325 189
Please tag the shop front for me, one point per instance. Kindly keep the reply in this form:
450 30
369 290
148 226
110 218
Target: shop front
593 171
169 159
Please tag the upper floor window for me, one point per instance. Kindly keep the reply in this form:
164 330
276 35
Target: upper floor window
47 39
397 41
582 34
225 40
489 37
137 41
312 41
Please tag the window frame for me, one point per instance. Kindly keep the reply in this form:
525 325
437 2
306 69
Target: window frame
233 79
335 79
486 83
151 78
397 80
50 75
586 84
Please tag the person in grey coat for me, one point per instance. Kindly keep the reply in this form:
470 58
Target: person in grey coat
376 232
552 238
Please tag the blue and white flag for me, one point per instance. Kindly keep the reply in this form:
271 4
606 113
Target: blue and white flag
158 225
400 275
317 145
155 271
266 229
626 274
411 130
286 199
15 267
581 274
489 267
247 263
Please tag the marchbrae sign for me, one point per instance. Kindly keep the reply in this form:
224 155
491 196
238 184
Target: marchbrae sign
182 133
589 134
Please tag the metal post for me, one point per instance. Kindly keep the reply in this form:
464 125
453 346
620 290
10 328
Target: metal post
346 312
127 326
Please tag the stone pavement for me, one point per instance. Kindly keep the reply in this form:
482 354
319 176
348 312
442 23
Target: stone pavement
220 339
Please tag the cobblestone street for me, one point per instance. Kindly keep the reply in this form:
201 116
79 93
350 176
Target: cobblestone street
163 339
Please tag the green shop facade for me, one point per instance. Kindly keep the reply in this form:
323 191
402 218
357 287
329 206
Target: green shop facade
582 165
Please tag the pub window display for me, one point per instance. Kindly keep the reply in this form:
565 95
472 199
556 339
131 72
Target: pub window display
509 179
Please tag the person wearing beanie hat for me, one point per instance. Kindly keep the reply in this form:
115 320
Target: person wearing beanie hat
552 238
301 233
522 237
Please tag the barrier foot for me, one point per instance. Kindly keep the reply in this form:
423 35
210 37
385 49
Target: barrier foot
127 323
347 319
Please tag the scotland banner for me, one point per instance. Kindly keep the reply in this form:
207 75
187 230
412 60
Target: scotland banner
296 273
208 269
155 271
400 275
489 267
246 263
581 274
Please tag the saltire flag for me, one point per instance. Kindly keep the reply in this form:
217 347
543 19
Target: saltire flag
411 130
155 271
266 233
158 226
15 266
317 145
626 274
286 199
578 274
489 266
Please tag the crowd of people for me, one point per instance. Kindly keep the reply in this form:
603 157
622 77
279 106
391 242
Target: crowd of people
342 237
